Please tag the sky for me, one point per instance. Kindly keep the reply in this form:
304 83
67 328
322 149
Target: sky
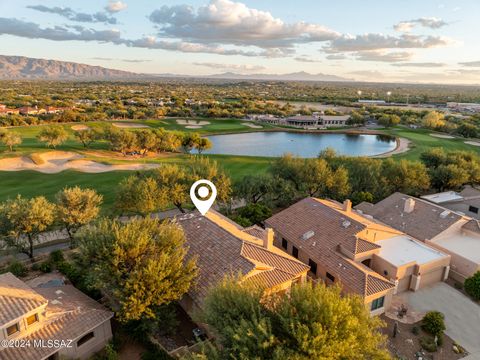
371 40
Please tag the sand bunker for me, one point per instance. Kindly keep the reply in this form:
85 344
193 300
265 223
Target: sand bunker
193 127
474 143
125 125
443 136
57 161
253 126
197 123
80 127
403 145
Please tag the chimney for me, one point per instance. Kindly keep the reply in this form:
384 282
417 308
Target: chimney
268 239
409 205
347 205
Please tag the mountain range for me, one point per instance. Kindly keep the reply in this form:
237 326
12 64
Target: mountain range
26 68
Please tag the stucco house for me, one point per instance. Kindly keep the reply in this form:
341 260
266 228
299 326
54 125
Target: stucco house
224 248
50 321
451 232
466 202
365 256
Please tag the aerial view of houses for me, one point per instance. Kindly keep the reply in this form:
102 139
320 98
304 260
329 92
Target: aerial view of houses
239 179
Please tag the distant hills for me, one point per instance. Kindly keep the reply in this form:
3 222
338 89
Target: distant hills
20 67
26 68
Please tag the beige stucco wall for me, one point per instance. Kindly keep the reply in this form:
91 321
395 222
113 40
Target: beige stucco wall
102 335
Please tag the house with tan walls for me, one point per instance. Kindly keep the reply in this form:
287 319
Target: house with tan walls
451 232
223 248
50 321
366 257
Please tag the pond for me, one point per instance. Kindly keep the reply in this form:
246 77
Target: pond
308 145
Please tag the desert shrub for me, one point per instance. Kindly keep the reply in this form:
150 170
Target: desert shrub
17 268
45 267
415 330
434 323
56 257
472 286
428 344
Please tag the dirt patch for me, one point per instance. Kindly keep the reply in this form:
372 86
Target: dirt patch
80 127
406 345
253 126
443 136
474 143
125 125
57 161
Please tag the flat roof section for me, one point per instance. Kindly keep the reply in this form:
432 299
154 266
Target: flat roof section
442 197
401 250
465 245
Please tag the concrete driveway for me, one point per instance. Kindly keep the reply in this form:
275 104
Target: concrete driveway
462 316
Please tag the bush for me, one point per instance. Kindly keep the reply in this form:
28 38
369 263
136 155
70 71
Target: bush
428 344
472 286
256 213
415 330
57 257
45 267
17 268
434 323
242 221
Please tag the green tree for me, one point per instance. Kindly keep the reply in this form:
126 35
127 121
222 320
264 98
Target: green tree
449 176
255 213
77 207
138 266
10 139
405 176
147 141
140 195
24 219
313 322
53 135
189 141
433 120
472 286
86 137
203 144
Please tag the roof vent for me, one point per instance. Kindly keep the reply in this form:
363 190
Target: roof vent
346 223
308 235
444 214
409 205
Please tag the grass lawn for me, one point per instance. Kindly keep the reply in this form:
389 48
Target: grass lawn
33 183
423 141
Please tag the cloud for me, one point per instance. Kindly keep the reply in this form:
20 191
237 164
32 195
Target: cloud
427 22
421 64
471 63
124 60
98 17
336 57
383 56
371 41
229 22
306 59
115 6
236 67
57 33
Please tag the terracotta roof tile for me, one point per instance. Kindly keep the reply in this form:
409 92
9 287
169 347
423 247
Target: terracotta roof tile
426 221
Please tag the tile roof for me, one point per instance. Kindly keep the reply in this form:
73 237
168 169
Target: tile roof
331 227
472 225
221 250
426 221
70 314
16 298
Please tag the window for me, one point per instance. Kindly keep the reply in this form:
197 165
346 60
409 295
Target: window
473 209
313 266
295 252
12 329
284 244
377 303
330 277
32 319
85 338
